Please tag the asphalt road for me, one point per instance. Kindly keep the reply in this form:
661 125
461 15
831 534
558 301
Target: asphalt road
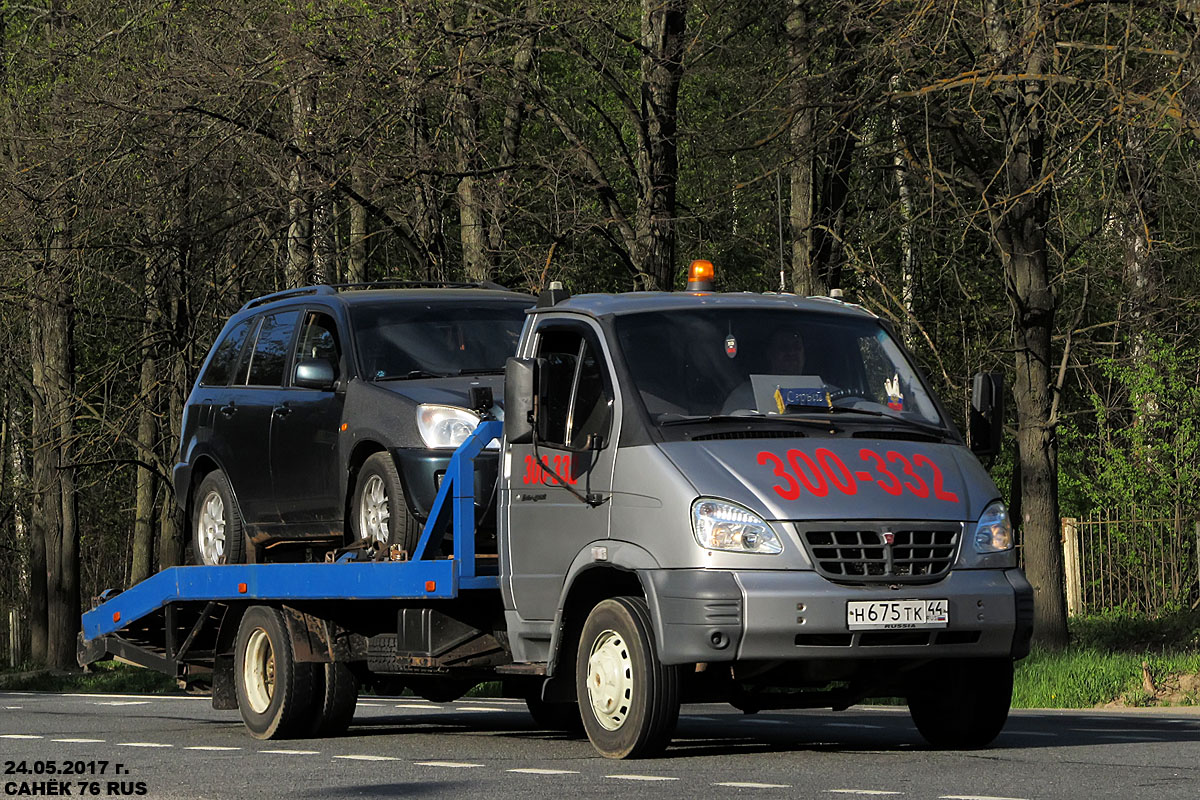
178 747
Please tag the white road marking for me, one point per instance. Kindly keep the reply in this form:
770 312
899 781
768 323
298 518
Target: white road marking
1124 737
367 758
850 725
143 744
745 785
477 708
871 792
424 707
293 752
79 741
448 764
976 797
138 696
18 736
123 703
771 722
361 704
640 778
12 708
1030 733
210 747
539 771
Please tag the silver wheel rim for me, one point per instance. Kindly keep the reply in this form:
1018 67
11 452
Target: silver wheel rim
610 680
258 671
373 511
211 528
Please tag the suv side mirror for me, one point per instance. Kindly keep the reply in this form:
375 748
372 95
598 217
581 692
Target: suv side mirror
987 413
519 387
314 373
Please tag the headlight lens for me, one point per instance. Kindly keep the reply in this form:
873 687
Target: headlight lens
993 532
445 426
724 526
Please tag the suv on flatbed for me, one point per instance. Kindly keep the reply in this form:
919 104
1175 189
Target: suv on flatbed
328 414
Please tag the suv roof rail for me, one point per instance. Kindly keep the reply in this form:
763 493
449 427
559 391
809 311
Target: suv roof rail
334 288
398 284
286 293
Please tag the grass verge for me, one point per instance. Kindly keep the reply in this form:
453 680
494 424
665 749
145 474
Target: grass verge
102 678
1087 677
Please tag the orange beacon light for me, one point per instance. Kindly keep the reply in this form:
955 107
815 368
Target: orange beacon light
700 276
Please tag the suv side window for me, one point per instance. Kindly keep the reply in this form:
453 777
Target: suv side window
225 357
268 362
319 340
578 401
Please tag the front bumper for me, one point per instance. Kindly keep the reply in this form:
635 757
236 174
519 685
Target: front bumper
421 473
766 615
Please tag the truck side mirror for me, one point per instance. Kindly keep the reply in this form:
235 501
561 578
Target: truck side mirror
519 387
314 373
987 413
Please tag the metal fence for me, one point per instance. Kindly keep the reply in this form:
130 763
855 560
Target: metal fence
1139 563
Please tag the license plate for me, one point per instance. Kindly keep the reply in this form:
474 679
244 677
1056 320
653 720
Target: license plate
892 614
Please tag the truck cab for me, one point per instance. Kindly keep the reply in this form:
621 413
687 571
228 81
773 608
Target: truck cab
761 494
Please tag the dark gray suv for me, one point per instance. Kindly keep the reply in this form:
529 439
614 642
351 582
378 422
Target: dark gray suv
327 415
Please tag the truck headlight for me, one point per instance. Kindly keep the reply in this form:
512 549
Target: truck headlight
445 426
993 532
719 525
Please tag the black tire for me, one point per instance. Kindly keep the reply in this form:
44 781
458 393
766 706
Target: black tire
274 691
629 701
218 535
335 697
961 704
440 689
554 716
378 486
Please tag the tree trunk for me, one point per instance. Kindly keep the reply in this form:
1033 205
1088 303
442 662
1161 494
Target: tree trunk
805 280
464 120
147 433
356 263
663 27
1019 216
298 269
54 481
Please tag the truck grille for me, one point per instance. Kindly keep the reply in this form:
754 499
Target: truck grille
915 555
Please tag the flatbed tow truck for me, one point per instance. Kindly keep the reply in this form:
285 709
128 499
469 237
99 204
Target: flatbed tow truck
681 515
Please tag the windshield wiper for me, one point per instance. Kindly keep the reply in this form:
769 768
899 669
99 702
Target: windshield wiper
700 419
416 373
932 430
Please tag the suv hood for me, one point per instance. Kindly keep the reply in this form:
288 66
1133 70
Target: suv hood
454 391
838 478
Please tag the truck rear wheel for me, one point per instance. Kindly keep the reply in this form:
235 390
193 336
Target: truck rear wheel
961 704
380 512
629 701
335 697
274 691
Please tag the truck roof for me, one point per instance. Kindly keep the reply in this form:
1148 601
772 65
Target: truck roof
598 305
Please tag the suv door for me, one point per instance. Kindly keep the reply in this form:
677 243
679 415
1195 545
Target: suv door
548 524
304 432
242 423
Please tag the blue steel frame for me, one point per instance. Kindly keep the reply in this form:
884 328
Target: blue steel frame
421 578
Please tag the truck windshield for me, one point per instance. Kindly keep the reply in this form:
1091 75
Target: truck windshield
435 339
748 361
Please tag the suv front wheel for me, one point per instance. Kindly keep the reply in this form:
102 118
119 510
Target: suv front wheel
217 531
380 512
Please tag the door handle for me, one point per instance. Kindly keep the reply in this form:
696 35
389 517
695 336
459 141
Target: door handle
281 411
228 410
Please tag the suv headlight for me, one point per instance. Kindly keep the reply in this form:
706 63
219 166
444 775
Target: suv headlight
445 426
719 525
993 532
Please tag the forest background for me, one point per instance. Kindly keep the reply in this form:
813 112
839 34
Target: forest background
1015 183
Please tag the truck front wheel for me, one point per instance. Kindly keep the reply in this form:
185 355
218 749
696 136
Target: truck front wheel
960 704
274 691
628 699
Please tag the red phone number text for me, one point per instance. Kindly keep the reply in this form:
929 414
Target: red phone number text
799 472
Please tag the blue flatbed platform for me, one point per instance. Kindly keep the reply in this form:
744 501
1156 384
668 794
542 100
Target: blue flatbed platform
421 578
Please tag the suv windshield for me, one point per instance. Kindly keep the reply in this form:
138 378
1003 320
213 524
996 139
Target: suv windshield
435 339
744 361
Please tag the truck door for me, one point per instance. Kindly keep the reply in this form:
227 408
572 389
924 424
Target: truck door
548 521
